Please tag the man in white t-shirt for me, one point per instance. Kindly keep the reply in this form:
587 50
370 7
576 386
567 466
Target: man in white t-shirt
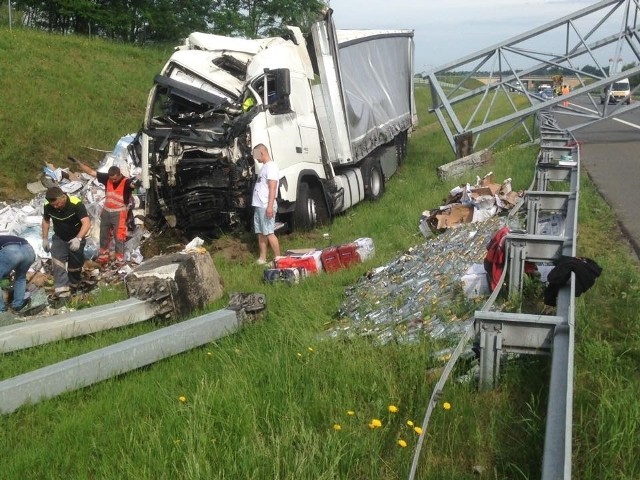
264 203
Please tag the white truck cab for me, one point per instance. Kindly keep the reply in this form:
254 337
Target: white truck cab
334 109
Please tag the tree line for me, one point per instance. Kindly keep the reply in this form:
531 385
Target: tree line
166 21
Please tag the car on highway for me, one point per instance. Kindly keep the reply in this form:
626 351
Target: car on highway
547 93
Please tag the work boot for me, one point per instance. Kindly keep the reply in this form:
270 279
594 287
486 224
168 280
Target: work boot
103 257
24 305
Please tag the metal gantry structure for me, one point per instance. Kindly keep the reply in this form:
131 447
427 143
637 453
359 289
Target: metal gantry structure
590 47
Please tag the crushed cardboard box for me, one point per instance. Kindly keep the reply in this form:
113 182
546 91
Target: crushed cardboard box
469 204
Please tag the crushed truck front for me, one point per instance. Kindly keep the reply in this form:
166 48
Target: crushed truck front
196 137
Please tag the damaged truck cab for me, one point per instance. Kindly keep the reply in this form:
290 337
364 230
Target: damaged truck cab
333 109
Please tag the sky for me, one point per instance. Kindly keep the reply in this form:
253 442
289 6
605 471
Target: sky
448 30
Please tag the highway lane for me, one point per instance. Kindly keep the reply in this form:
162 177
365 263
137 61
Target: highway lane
610 154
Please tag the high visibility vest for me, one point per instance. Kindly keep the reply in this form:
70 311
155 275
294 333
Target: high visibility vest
114 200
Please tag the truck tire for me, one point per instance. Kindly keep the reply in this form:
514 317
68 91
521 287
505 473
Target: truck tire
310 210
373 179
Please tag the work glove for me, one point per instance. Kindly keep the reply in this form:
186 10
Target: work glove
46 246
73 160
74 244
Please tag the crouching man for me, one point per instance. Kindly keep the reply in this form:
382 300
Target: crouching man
71 224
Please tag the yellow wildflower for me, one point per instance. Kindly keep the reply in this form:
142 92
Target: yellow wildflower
351 413
209 353
410 423
375 423
418 430
182 399
393 409
446 406
402 443
337 427
299 355
310 349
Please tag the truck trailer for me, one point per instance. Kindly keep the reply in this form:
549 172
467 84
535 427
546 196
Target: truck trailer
334 108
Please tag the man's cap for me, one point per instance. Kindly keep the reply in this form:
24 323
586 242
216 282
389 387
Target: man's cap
53 193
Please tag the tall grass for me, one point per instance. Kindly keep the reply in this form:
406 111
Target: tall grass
265 402
62 94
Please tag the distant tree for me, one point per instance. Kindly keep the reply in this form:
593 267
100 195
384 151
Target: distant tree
152 21
590 69
254 18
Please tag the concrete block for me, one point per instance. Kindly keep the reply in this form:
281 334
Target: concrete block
462 165
178 283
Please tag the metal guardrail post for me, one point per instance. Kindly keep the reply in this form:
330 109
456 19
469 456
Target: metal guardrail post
490 352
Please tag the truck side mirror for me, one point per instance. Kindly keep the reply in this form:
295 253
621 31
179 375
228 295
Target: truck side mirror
283 90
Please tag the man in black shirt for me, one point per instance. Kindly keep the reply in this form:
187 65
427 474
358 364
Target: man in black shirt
71 224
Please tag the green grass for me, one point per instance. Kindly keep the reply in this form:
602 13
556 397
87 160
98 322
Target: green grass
262 403
62 94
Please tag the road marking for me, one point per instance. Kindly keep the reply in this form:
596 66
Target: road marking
632 125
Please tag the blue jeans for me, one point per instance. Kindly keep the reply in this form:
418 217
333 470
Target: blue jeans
18 258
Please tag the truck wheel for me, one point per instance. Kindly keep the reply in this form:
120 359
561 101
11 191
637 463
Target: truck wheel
373 179
310 210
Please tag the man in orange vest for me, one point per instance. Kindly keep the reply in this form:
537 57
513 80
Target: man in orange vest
113 219
565 91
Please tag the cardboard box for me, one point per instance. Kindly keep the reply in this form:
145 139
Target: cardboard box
310 261
453 215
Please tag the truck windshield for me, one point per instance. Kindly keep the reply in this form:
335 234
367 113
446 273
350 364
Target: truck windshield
621 86
175 102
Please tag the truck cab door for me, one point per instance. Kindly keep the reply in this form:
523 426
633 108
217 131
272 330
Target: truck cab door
289 123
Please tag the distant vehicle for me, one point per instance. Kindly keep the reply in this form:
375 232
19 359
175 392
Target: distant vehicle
619 90
547 93
516 87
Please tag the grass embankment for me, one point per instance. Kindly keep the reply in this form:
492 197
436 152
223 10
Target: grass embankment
263 403
62 94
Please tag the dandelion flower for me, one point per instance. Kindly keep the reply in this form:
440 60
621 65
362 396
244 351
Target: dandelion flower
210 354
375 423
446 406
337 427
182 399
351 413
310 349
418 430
402 443
393 409
410 423
299 355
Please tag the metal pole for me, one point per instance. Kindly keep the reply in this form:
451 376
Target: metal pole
9 15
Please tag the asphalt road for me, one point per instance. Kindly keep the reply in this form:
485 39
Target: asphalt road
610 154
